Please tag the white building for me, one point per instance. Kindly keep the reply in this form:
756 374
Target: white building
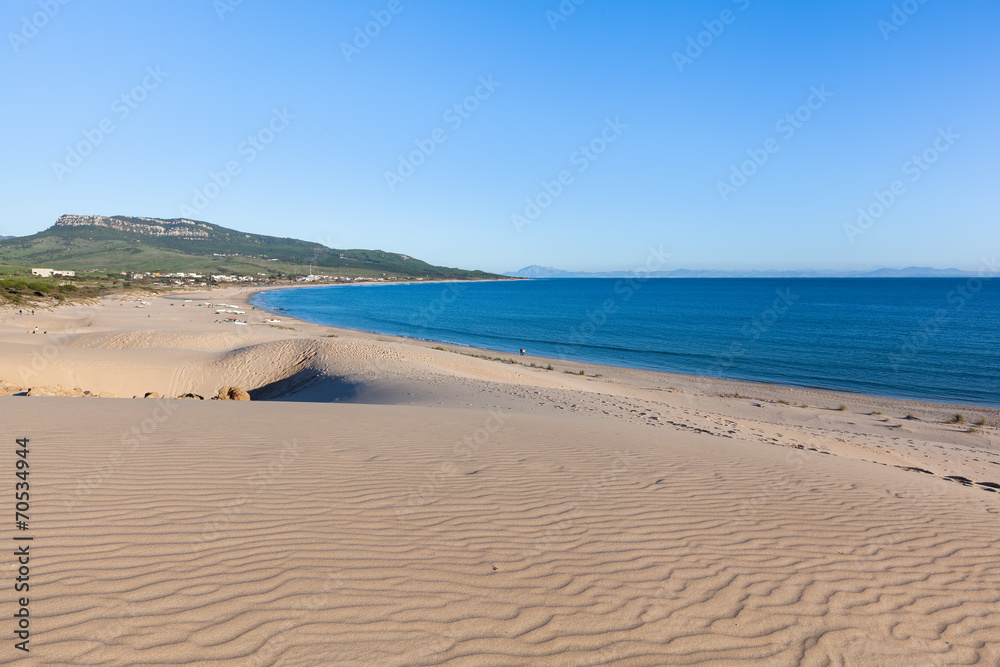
48 273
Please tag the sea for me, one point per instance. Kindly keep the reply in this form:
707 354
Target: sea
934 339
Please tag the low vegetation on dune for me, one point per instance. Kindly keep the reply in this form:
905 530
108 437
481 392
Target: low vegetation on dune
18 287
19 291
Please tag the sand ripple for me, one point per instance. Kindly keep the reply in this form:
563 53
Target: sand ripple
316 534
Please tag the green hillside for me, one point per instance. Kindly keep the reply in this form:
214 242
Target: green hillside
123 243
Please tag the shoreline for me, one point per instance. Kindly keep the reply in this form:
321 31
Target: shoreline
299 361
837 393
764 390
620 516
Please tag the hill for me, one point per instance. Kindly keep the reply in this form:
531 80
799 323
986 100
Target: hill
124 243
537 271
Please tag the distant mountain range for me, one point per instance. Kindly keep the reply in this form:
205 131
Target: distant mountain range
536 271
125 243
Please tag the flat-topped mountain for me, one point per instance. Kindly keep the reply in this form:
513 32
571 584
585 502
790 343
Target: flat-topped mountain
126 243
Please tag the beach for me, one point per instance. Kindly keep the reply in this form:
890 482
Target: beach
398 502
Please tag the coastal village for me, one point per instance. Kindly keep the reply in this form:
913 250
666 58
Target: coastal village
181 279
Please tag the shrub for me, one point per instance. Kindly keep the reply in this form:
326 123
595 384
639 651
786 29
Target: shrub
957 419
842 408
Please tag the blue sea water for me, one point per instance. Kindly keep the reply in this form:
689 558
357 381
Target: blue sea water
935 339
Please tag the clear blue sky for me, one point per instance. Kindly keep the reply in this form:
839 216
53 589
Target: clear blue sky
682 125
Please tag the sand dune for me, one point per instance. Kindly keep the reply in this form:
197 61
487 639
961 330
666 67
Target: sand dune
339 534
397 504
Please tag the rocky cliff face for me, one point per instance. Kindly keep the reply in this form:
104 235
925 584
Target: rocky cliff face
144 226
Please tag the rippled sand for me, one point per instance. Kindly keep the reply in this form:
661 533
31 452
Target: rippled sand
409 506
